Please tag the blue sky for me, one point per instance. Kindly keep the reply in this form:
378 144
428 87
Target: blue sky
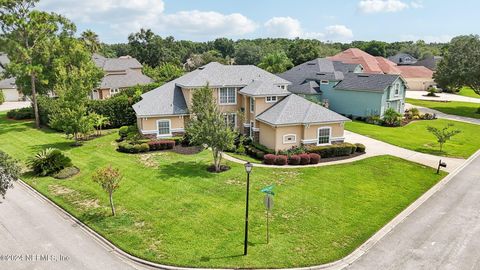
341 20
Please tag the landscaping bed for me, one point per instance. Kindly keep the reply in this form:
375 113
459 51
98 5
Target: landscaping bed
175 212
466 109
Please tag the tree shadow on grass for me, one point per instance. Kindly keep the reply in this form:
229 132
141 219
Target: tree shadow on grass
60 145
430 151
185 169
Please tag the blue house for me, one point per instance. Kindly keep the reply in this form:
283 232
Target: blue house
345 89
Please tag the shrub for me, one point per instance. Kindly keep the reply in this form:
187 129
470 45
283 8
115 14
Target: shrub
254 152
294 160
478 110
354 149
21 114
127 147
240 149
360 147
334 150
269 159
392 118
415 111
262 148
314 158
123 131
141 148
281 160
293 151
161 145
432 91
304 159
117 108
2 97
49 161
374 119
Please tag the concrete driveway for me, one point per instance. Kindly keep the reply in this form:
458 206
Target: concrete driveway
7 106
441 97
36 235
443 233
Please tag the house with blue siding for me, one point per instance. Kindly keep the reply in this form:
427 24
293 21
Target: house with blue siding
345 89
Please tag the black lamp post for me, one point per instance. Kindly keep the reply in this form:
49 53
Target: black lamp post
248 169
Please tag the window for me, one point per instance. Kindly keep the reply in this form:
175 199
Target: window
289 138
114 91
163 127
228 95
252 105
231 120
397 90
271 99
252 125
324 135
324 82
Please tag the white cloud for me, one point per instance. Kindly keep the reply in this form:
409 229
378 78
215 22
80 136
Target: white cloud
417 4
126 16
288 27
377 6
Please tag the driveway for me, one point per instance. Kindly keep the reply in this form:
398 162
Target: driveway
442 115
441 96
443 233
31 226
7 106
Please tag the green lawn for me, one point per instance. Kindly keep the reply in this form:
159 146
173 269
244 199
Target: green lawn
466 109
415 136
468 92
172 211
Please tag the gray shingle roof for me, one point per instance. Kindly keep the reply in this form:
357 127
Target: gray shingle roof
318 69
262 88
218 75
430 62
297 110
167 99
345 67
306 88
403 59
128 79
367 82
8 83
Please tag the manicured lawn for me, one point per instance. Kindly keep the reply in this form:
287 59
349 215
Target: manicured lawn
468 92
245 158
415 136
172 211
466 109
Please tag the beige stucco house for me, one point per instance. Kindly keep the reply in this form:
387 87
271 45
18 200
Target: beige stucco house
272 115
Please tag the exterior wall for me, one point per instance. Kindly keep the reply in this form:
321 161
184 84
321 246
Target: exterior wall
356 103
419 84
11 94
393 100
149 125
337 131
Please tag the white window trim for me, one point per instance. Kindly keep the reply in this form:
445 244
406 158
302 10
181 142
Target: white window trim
324 82
252 104
271 99
329 136
227 103
290 142
169 127
235 115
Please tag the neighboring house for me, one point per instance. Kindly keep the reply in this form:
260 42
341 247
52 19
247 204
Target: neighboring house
417 77
7 85
430 62
403 59
344 89
271 115
120 73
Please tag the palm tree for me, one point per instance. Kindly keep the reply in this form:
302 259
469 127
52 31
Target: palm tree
276 62
91 40
99 121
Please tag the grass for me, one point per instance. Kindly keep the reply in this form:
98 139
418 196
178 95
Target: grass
415 136
466 109
468 92
245 158
172 211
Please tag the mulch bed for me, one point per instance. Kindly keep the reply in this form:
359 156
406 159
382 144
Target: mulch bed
223 168
323 160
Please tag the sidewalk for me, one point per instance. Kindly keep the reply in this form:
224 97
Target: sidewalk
444 115
7 106
441 97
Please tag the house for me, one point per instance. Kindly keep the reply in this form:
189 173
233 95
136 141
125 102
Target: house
345 89
7 85
430 62
403 59
120 73
418 78
270 114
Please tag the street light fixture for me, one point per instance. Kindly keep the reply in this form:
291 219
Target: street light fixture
248 170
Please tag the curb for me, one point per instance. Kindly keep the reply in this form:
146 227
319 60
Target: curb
336 265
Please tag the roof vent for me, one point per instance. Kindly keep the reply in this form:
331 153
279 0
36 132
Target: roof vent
201 68
318 73
363 75
311 64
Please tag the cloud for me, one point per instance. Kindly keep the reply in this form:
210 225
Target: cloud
379 6
122 17
287 27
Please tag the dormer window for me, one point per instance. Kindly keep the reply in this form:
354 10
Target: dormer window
271 99
324 82
227 96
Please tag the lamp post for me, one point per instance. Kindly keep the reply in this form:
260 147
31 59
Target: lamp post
248 169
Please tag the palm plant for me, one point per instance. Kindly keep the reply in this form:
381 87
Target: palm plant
99 122
276 62
49 161
91 40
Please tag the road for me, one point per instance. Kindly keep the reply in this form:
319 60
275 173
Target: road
443 233
31 226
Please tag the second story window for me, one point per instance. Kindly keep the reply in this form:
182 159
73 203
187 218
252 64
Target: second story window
228 95
271 99
252 104
397 90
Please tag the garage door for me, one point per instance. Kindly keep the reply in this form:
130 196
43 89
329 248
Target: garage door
11 94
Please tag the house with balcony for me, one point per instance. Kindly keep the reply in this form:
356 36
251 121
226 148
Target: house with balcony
271 115
120 73
346 89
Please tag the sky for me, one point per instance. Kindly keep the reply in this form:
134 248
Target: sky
340 20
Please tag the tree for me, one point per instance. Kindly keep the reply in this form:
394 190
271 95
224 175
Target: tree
109 179
460 65
73 121
276 62
26 32
9 172
376 48
163 73
248 54
225 46
91 40
443 135
208 125
99 122
302 51
198 60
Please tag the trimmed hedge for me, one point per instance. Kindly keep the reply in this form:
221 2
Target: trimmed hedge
161 145
304 159
126 147
360 148
334 150
294 160
21 114
314 158
281 160
269 159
